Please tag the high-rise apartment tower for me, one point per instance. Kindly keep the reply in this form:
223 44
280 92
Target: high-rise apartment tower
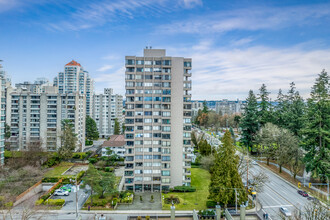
158 121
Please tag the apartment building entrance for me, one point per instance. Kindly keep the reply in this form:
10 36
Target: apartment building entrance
147 187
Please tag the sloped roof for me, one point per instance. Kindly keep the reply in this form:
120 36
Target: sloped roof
73 63
115 141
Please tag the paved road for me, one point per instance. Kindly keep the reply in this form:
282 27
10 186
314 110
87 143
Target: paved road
278 193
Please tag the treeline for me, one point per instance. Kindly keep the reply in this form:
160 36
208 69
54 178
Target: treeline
293 130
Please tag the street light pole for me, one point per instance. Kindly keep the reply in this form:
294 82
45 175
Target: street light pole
76 198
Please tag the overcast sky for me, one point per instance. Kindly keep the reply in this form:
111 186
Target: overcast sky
235 45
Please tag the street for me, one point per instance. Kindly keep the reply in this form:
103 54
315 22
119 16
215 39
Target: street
278 193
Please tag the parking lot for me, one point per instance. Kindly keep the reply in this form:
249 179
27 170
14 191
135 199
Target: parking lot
70 200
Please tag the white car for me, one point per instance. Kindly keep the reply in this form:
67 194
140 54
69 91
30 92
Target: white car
285 211
60 192
254 162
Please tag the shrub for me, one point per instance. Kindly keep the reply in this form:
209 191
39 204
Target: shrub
184 189
147 217
210 204
54 202
9 204
139 218
92 160
39 202
101 202
80 175
109 169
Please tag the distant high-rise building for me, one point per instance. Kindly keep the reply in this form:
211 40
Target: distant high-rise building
76 79
37 117
35 87
3 83
106 108
227 107
158 121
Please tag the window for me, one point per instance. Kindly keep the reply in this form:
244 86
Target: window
167 128
138 171
140 62
187 64
148 98
166 62
166 158
156 171
147 120
147 157
186 134
148 171
186 120
148 77
139 69
147 178
147 128
166 180
157 62
165 173
148 113
130 62
166 84
147 70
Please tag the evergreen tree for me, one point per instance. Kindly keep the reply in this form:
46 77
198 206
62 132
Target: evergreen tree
280 110
232 134
91 129
316 131
205 108
92 178
7 131
68 140
249 122
264 111
117 127
225 176
295 111
107 183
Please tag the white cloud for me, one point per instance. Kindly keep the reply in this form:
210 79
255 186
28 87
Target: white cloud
104 68
191 3
115 80
253 18
220 72
93 14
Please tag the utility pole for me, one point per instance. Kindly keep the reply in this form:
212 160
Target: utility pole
247 167
236 200
76 198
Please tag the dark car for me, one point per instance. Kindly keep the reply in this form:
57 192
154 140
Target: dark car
303 193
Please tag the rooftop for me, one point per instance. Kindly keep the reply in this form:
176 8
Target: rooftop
73 63
115 141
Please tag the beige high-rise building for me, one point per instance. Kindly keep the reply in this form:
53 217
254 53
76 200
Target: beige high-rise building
158 121
107 108
37 117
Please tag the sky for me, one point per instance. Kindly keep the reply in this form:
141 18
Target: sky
235 45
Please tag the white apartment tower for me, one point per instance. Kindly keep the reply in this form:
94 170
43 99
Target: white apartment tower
106 108
158 121
37 117
76 79
3 84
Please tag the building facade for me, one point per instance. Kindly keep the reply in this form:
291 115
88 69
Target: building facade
107 108
37 117
227 107
158 121
116 144
76 79
3 83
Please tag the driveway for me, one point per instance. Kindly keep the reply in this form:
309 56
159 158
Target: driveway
70 200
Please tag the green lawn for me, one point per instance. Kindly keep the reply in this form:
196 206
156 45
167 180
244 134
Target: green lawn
59 169
200 179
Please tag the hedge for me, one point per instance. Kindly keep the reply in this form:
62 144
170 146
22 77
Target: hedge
80 155
39 202
183 189
211 204
54 202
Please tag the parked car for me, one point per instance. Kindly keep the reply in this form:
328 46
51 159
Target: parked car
66 188
254 162
313 199
303 193
60 192
285 211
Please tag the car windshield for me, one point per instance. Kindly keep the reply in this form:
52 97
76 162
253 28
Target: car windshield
285 209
